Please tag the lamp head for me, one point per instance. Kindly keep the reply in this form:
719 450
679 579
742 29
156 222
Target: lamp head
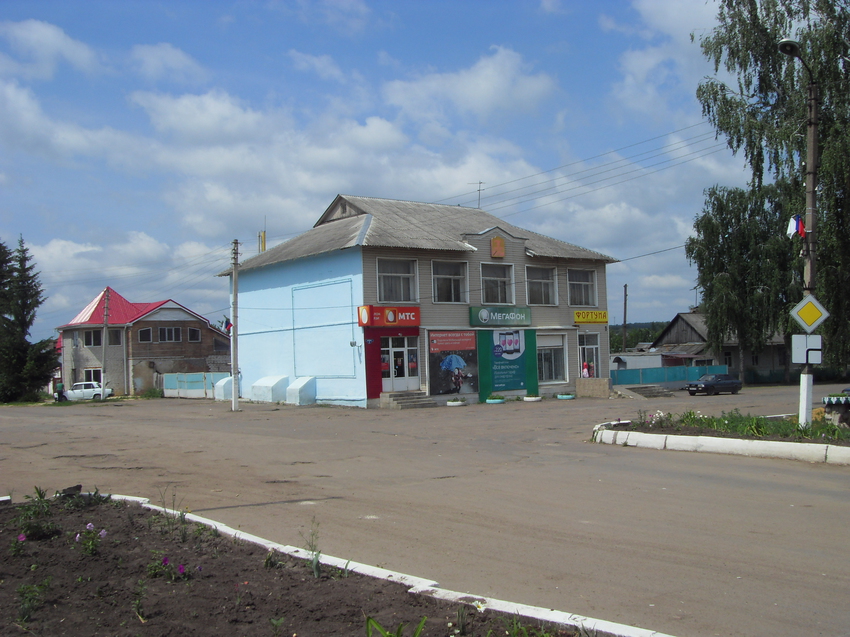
790 48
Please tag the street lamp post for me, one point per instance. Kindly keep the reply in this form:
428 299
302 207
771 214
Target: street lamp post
792 49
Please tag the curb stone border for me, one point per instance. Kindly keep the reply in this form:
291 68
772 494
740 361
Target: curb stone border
803 451
417 585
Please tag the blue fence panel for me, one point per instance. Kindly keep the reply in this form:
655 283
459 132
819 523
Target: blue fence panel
169 381
214 377
675 374
652 375
626 376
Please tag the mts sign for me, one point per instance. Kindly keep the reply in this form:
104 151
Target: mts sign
376 316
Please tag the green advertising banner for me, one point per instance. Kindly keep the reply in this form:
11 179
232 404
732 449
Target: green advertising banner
507 360
499 316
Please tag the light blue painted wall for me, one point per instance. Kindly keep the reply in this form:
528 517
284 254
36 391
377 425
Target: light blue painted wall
298 319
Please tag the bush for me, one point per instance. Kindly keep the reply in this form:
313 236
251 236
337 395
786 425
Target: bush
153 393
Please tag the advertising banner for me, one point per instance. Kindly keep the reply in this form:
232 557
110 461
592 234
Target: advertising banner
499 316
452 363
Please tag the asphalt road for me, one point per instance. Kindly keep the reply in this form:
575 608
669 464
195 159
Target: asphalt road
507 501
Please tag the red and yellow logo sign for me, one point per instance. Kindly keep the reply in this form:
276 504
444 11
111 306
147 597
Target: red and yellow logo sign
374 316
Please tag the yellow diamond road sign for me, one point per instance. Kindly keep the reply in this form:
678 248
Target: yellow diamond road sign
809 313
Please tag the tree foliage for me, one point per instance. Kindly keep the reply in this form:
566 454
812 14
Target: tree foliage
24 367
758 103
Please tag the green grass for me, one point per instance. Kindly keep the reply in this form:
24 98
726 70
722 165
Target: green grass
735 422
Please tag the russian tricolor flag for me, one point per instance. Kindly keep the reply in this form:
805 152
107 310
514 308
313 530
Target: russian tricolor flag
796 226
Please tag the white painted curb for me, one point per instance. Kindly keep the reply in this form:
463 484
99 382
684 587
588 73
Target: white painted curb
417 585
803 451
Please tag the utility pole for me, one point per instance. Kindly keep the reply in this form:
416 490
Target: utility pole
792 49
234 330
625 307
104 339
479 184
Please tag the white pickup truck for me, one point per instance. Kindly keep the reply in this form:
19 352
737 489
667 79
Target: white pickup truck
84 391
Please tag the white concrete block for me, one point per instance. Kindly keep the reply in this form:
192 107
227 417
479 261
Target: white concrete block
682 443
837 455
302 391
646 441
270 389
224 389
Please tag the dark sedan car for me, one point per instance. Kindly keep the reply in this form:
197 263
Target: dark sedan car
711 384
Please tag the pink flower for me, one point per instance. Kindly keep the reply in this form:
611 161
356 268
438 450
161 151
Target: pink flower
165 561
90 526
22 538
180 569
77 539
102 533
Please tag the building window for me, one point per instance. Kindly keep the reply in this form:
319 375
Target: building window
449 282
194 335
755 360
145 335
169 335
727 359
396 281
588 353
114 337
496 284
540 285
93 338
582 287
550 358
92 375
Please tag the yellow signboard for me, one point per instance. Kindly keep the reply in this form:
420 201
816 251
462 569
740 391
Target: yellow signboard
590 316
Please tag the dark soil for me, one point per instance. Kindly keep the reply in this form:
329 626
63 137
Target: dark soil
155 575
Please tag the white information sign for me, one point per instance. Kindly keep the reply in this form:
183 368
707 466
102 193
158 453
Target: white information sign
806 349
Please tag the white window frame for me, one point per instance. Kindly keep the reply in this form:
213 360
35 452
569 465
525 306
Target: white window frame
463 279
175 333
194 331
409 278
589 352
552 284
507 282
594 300
561 359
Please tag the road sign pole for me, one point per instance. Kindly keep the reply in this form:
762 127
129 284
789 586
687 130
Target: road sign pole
806 389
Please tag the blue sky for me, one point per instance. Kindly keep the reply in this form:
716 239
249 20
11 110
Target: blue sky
138 139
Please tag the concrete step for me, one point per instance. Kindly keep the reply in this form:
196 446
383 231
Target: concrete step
407 400
651 391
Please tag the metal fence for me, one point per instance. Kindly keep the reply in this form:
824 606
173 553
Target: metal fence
194 385
663 375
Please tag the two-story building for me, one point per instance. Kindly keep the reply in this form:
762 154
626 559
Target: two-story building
129 346
384 295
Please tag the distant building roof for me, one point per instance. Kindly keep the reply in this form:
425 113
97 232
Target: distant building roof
121 311
366 221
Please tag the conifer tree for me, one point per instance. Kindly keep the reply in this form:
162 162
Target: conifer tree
24 367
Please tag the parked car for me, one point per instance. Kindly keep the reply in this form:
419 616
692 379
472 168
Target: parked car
710 384
84 391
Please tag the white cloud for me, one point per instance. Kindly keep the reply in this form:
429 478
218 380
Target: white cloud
212 117
321 65
500 82
164 61
42 46
346 16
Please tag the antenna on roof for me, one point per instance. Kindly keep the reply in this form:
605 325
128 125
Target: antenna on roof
480 183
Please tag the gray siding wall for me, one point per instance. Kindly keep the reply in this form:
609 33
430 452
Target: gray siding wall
456 316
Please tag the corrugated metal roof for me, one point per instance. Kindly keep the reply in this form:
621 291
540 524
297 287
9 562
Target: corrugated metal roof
366 221
121 311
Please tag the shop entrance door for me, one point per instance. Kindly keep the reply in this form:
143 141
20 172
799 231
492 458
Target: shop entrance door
399 363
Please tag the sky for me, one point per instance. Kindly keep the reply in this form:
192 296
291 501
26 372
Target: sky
138 139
